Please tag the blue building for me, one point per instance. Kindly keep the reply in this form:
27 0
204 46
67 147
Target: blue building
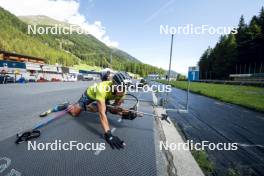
11 66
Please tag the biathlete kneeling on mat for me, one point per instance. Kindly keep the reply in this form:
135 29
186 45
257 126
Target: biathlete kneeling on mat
95 99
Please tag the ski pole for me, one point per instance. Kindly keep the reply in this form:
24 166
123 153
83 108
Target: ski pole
163 116
35 132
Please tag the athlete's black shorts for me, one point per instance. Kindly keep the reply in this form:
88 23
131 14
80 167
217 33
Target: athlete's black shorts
85 100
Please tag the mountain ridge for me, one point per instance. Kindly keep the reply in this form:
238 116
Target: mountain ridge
46 20
66 49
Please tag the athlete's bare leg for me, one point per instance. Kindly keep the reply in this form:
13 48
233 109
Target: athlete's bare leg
75 110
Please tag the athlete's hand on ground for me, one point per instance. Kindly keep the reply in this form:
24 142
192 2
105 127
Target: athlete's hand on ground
115 110
113 141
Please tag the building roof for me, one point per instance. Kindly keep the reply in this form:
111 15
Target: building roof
21 55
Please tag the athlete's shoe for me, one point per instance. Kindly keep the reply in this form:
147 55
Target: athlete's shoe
57 108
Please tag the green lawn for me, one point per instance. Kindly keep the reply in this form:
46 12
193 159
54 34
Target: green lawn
247 96
87 67
203 161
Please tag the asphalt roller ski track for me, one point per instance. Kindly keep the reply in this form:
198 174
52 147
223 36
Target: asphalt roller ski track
218 122
20 106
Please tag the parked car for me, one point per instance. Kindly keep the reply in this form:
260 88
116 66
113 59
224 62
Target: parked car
41 79
55 80
4 79
21 80
32 78
142 83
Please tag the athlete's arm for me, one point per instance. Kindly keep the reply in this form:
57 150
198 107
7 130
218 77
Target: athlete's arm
115 109
103 118
113 141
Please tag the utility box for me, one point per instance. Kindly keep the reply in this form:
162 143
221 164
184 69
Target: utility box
193 73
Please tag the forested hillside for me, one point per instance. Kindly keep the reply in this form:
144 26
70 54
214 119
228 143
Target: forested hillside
65 49
240 53
14 38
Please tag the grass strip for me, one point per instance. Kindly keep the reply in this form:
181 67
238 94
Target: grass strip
247 96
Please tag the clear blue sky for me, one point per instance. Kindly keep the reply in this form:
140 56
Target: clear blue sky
135 25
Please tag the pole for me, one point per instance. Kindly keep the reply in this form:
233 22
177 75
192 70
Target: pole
170 58
255 68
111 58
187 98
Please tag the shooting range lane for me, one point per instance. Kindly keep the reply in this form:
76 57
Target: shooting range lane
215 121
138 157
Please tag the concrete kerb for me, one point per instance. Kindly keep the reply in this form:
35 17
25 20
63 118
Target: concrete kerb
180 162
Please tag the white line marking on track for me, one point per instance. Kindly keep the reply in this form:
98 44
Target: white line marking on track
97 152
218 103
250 145
260 117
181 106
113 130
154 98
139 94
